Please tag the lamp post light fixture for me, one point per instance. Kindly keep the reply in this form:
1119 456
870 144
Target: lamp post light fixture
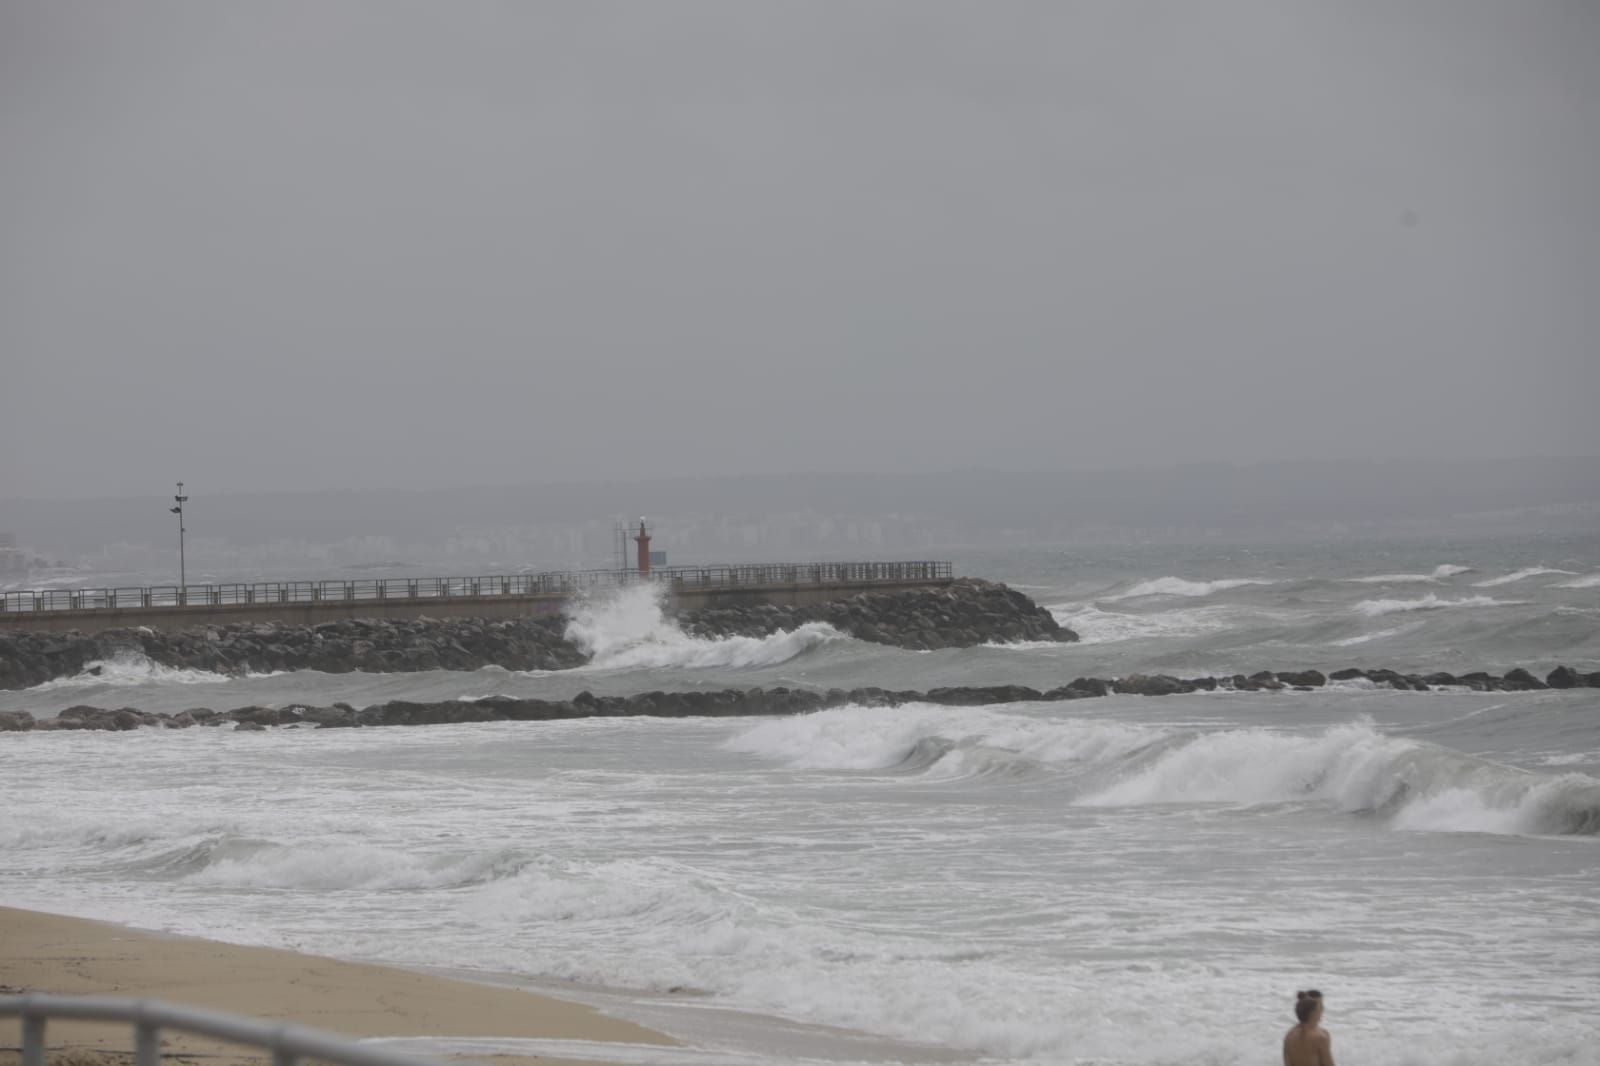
183 579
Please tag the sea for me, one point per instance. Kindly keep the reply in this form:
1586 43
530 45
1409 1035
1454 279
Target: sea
1125 881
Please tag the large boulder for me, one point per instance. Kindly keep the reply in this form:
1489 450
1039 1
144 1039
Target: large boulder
15 721
1519 680
1150 685
1565 677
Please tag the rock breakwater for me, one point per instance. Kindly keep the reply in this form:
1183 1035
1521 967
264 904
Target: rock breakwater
963 613
748 702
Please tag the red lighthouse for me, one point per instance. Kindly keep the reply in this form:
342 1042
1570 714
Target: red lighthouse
643 540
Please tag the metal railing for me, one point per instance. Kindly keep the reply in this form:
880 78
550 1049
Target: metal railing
288 1044
561 583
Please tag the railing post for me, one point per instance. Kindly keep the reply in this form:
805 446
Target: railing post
281 1055
32 1038
146 1044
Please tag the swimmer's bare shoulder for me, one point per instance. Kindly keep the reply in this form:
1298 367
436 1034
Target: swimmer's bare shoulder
1306 1045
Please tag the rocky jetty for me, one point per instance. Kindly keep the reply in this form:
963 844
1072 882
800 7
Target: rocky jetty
372 645
751 702
964 613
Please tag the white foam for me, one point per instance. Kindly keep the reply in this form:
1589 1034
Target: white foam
1518 575
627 630
1439 573
334 867
914 915
1095 625
1431 602
1023 645
1381 634
129 667
1177 586
1588 581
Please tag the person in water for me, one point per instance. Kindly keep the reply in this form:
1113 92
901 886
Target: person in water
1308 1044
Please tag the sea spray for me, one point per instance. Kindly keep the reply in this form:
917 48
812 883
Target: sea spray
627 629
128 667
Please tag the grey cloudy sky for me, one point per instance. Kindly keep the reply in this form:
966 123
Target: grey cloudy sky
311 245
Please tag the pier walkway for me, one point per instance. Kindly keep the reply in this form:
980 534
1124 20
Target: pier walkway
499 596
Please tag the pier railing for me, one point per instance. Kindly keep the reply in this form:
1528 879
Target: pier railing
561 583
287 1044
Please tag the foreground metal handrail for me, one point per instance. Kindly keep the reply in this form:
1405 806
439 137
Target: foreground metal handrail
287 1043
444 588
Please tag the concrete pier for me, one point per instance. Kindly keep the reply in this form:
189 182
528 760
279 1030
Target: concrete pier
502 596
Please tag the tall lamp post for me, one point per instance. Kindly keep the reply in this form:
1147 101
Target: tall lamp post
183 579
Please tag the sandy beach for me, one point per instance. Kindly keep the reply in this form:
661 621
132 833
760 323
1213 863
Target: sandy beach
49 953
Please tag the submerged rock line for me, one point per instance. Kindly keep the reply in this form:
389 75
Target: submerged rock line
758 701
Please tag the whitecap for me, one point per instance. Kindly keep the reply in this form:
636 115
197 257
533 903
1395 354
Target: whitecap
1439 573
1518 575
1095 625
1430 602
1177 586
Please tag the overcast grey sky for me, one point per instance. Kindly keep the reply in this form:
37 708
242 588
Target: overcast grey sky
313 244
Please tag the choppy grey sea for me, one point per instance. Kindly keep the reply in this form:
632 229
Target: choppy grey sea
1117 881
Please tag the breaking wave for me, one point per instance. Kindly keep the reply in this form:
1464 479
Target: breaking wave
1095 625
1177 586
919 737
1519 575
1353 769
1439 573
130 667
335 867
627 630
1430 602
1356 769
1588 581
